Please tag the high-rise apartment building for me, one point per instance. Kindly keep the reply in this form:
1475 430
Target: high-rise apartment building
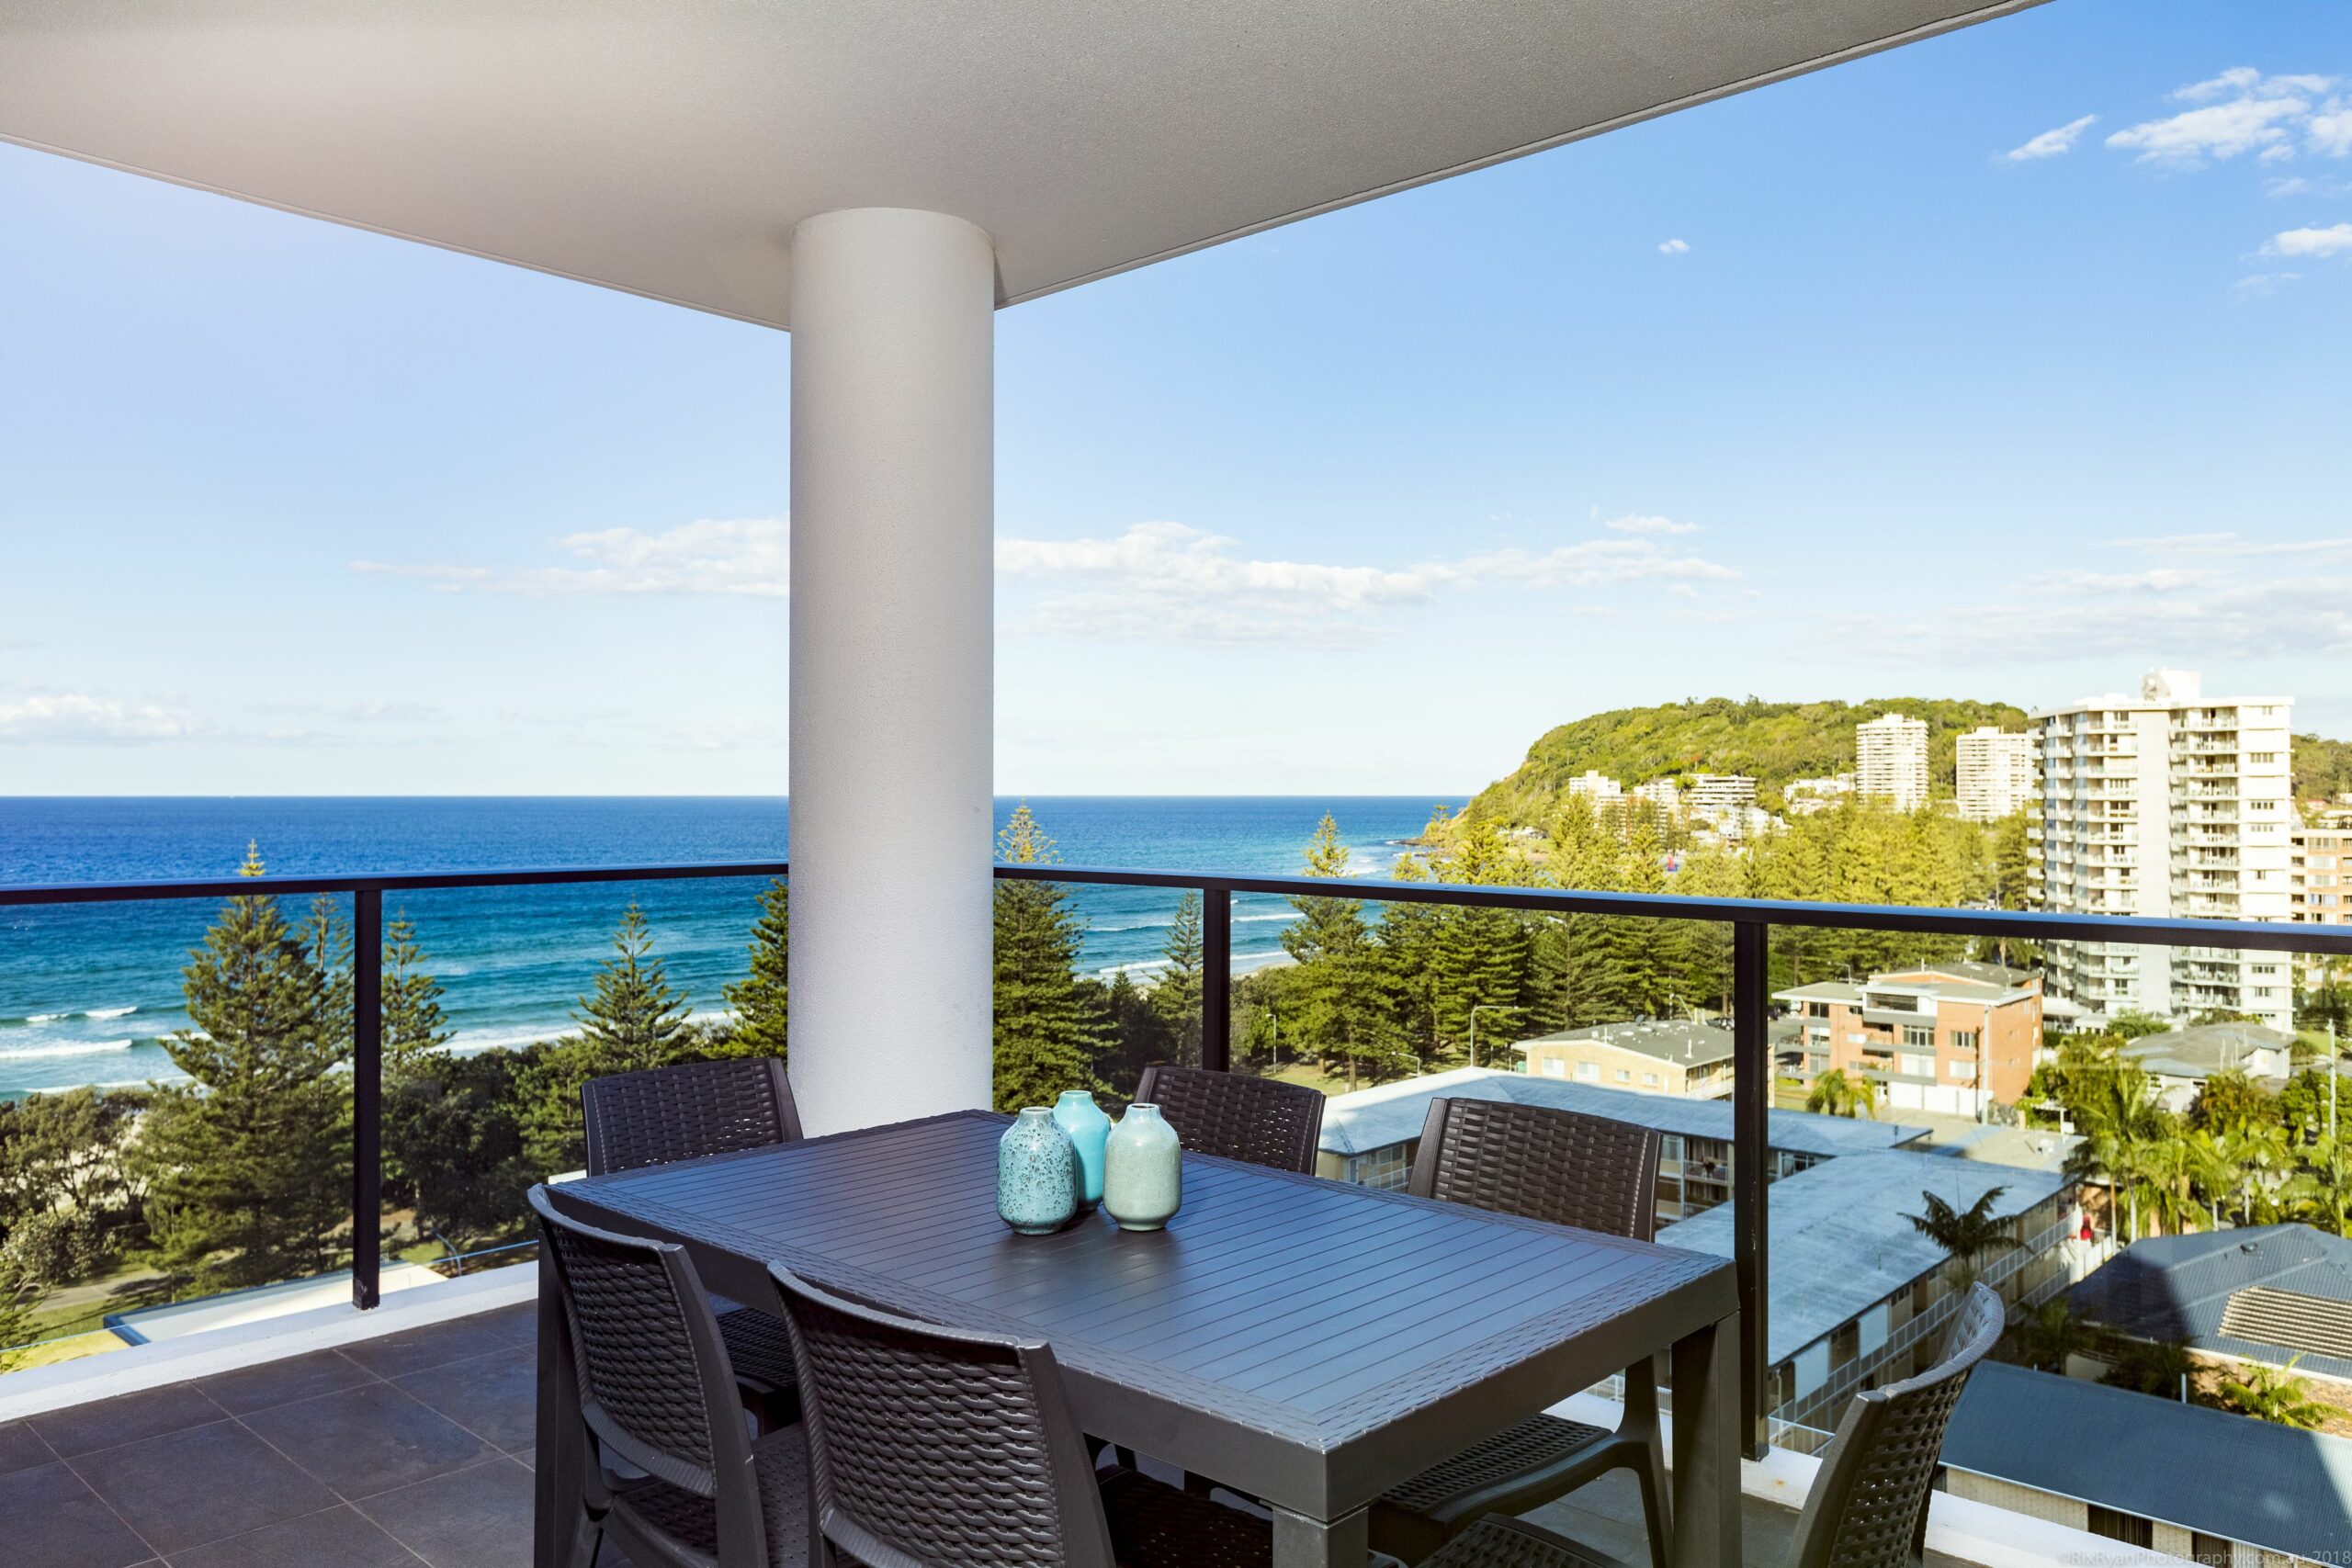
1711 793
1597 787
1996 772
2169 803
1891 761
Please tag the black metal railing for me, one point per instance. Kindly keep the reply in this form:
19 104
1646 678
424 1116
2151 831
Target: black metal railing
1752 921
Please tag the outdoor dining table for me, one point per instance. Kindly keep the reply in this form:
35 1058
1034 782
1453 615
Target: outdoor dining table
1309 1343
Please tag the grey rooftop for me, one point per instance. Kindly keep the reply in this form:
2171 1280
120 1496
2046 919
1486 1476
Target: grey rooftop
1668 1040
2289 1491
1389 1114
2192 1288
2203 1050
1842 1237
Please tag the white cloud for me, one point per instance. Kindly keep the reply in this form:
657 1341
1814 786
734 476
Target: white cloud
2050 143
2263 282
1650 525
2329 132
2224 130
2245 81
1170 581
2197 596
2334 241
76 718
1674 248
746 557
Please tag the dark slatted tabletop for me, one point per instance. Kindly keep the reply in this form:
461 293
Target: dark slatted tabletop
1312 1341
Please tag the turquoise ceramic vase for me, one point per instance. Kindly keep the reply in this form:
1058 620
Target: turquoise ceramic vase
1087 1127
1036 1174
1143 1170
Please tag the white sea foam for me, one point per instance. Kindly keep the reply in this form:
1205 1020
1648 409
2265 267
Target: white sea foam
46 1016
110 1013
1285 915
66 1048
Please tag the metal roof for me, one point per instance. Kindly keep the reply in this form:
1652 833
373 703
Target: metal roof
2204 1050
1389 1114
668 149
2181 1287
1842 1239
1668 1040
2203 1470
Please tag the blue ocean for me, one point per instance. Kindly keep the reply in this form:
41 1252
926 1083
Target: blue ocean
87 991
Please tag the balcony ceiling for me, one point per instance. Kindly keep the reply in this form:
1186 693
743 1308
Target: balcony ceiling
668 149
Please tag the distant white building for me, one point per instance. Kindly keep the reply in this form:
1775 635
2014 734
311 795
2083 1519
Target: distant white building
1996 772
1710 792
1804 796
2169 803
1663 794
1891 761
1597 787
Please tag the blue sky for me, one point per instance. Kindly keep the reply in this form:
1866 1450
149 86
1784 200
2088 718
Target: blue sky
2002 366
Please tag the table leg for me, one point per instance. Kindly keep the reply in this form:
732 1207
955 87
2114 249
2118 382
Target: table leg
1302 1542
1707 1447
557 1502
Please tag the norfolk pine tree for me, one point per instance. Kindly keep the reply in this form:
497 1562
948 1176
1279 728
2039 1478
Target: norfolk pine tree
1048 1034
452 1145
631 1020
762 999
250 1162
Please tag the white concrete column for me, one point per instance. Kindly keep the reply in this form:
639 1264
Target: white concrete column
893 480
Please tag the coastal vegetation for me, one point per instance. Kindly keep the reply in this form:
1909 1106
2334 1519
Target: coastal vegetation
1771 742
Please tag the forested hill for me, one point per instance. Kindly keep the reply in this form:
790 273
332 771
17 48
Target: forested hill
2323 768
1772 742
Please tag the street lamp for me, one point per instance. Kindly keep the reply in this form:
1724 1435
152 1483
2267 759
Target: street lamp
1484 1006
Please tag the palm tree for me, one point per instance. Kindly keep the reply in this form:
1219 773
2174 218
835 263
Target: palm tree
2123 1123
2170 1172
1965 1233
2252 1156
2320 1192
2159 1367
2052 1334
1838 1093
2273 1394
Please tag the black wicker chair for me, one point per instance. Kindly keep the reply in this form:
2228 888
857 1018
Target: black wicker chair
1568 1169
935 1446
657 1397
1262 1121
685 1112
1867 1507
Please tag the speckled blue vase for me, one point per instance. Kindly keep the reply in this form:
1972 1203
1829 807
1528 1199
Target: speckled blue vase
1088 1128
1036 1174
1143 1170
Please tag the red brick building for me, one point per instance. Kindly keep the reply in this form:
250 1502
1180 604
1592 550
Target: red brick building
1952 1038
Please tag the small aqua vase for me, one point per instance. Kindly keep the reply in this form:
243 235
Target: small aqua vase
1143 1170
1036 1174
1087 1127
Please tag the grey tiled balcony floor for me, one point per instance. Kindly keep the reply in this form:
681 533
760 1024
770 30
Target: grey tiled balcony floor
395 1452
413 1449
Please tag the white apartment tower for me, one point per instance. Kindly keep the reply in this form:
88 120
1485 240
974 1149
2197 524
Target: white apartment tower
1995 768
1891 761
2168 804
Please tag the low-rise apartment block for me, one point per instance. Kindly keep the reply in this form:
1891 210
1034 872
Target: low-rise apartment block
1956 1038
1994 771
1669 1057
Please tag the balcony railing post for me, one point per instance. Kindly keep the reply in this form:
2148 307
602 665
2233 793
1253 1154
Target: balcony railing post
366 1096
1217 979
1751 1106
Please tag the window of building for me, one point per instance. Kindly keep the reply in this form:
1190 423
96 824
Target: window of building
2115 1525
1589 1071
1964 1040
1845 1344
1555 1068
1624 1075
2210 1550
1816 1010
1916 1034
1650 1078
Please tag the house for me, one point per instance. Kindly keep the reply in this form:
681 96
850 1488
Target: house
1954 1037
1669 1056
2271 1293
2181 1060
2046 1446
